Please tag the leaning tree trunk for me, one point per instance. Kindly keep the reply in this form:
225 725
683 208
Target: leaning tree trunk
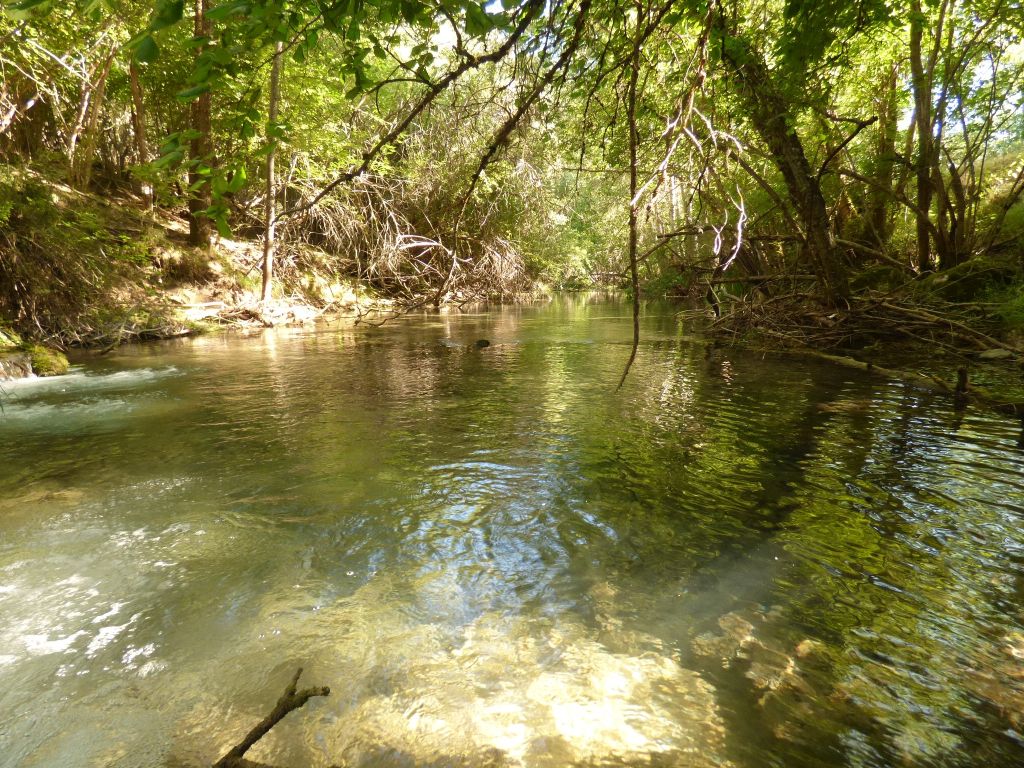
81 114
772 118
268 208
83 153
201 149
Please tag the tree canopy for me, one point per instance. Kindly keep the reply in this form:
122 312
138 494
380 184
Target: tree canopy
437 145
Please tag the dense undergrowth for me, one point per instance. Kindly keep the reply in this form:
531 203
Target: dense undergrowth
88 269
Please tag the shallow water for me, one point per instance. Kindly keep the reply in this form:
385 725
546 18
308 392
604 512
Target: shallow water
493 558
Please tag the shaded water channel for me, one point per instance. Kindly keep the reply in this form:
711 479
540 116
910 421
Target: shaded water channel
493 558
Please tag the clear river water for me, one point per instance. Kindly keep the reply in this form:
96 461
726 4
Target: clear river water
494 558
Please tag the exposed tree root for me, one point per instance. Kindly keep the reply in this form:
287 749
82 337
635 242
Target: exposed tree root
290 700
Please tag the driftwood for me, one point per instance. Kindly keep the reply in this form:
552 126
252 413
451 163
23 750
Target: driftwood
962 392
290 700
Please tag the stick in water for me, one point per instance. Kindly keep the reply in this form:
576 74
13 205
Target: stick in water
290 700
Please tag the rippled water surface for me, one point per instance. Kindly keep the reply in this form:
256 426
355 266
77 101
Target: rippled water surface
495 559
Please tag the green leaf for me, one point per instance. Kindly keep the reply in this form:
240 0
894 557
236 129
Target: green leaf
196 90
169 159
477 20
27 5
222 11
146 49
223 229
238 179
167 13
410 10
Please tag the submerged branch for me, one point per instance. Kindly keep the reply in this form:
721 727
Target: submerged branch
290 700
962 392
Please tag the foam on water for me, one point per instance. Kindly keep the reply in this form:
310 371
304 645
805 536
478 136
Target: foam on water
80 378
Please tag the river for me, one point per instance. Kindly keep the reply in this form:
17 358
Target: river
494 558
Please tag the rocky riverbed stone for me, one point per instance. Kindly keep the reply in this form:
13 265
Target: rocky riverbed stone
14 364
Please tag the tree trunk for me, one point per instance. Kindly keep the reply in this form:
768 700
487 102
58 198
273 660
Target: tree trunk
773 120
84 99
268 207
82 157
878 213
921 87
201 149
139 126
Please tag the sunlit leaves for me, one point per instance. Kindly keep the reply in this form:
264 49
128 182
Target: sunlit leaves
812 27
477 20
27 5
194 91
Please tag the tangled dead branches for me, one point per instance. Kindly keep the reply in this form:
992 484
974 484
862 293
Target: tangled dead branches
796 320
401 239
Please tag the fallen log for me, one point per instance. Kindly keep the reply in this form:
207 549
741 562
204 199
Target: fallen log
290 700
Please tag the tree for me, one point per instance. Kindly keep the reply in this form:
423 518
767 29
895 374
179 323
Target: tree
269 209
201 146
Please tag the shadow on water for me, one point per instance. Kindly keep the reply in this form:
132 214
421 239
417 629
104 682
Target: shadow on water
493 558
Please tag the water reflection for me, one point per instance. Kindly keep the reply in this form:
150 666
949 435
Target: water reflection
494 559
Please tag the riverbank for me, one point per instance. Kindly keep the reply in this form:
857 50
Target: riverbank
84 270
93 271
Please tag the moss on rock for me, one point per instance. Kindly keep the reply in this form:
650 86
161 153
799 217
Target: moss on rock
47 362
9 339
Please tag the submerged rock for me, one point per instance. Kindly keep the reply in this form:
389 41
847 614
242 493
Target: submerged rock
478 344
516 693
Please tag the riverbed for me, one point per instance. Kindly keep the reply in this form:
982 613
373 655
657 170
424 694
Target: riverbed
495 558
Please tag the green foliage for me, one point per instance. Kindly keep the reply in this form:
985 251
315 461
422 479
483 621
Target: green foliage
1010 307
9 339
811 29
355 70
59 254
1006 302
